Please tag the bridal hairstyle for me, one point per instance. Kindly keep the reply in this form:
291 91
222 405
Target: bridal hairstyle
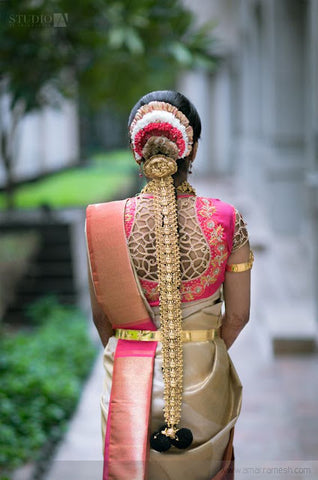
164 126
184 105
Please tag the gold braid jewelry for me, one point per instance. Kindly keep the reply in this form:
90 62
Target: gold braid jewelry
169 282
168 258
160 135
184 187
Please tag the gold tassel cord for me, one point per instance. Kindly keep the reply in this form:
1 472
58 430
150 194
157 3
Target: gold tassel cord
169 281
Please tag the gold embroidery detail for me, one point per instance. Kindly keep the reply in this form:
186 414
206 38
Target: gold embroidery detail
240 234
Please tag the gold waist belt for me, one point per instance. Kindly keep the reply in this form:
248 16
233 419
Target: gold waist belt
155 336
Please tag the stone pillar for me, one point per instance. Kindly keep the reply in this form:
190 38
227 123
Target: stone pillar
212 94
251 93
196 86
273 150
285 116
312 143
222 115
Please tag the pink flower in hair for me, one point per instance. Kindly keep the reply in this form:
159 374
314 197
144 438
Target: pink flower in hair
159 130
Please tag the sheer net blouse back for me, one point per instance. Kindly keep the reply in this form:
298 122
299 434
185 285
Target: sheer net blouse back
194 250
203 245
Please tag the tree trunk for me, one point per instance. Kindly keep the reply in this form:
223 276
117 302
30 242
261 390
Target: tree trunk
8 165
9 187
8 152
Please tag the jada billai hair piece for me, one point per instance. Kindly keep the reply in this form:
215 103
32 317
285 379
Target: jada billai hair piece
160 135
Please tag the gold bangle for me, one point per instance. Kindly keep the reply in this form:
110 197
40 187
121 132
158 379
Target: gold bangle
241 267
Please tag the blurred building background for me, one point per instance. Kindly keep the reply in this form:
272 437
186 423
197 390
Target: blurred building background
260 126
260 109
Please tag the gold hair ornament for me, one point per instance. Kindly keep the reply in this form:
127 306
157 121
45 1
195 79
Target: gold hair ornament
160 169
159 166
160 134
184 187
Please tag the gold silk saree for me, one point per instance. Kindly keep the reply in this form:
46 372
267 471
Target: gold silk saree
133 387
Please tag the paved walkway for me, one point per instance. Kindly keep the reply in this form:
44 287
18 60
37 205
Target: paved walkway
277 433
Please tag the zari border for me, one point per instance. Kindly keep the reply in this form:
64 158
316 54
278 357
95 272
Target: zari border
127 435
108 253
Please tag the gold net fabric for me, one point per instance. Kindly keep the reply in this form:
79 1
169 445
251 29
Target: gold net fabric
194 249
240 233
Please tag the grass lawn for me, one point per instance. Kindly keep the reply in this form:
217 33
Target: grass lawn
107 174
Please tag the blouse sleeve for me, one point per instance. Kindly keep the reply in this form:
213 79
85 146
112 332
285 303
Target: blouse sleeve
240 232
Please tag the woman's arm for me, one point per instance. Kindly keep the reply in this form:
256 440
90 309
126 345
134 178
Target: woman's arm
236 297
102 323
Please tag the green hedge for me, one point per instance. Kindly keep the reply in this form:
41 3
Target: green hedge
106 175
41 374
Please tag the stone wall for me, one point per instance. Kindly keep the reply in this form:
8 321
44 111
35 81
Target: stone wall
46 140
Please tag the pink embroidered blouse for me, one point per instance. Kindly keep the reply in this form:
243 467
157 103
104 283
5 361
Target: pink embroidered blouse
209 230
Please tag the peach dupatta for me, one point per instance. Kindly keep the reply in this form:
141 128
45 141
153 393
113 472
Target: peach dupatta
127 435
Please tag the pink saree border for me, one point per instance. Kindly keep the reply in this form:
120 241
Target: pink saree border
127 432
127 428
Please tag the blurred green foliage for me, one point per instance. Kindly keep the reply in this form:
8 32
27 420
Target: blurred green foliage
79 186
17 247
16 252
100 52
105 50
41 374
